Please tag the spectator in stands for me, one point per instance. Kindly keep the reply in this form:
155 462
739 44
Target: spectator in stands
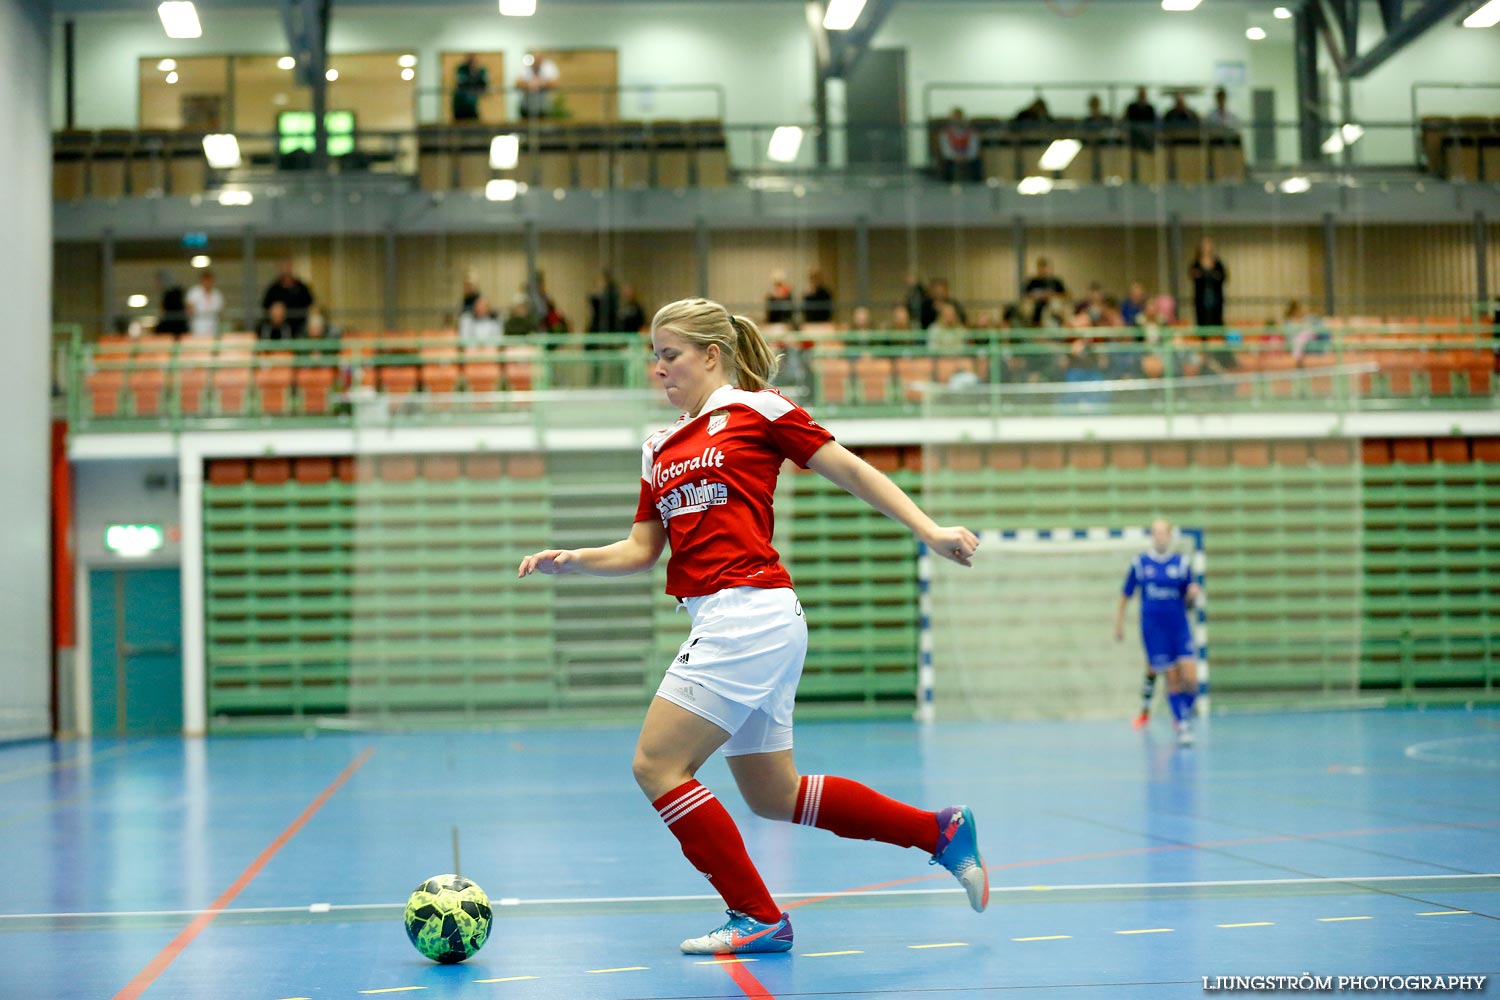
1221 117
320 330
292 293
941 297
1179 115
1096 119
817 300
276 325
1304 333
604 304
471 291
173 317
1035 113
538 79
549 319
632 315
958 145
1134 306
779 305
471 81
946 334
1042 290
919 308
205 304
520 322
861 325
479 325
1208 274
1093 309
1140 117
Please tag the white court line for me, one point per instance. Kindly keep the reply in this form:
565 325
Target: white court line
607 900
1424 751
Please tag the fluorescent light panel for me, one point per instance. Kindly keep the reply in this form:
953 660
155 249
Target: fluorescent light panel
1035 185
167 65
1060 154
785 142
201 260
406 61
1344 136
1256 34
228 198
222 150
179 18
1485 17
518 8
286 62
1282 13
502 189
137 301
842 14
1179 5
1296 185
505 152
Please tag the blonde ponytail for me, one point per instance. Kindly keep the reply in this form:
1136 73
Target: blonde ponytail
748 358
758 364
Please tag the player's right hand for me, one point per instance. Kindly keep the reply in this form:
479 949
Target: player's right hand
1119 633
548 562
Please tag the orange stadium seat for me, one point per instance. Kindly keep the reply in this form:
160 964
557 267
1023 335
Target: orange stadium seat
273 381
314 387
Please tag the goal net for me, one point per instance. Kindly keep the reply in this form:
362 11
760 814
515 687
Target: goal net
1028 631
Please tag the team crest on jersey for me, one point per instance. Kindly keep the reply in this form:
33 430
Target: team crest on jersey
717 422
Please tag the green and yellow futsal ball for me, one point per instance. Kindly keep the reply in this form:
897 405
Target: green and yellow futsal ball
448 918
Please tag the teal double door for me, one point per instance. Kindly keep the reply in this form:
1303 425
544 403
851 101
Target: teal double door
135 641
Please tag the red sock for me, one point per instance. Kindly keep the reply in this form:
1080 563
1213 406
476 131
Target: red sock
852 810
712 842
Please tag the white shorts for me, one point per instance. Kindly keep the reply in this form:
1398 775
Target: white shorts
740 665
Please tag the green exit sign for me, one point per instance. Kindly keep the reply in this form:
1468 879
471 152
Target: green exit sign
133 539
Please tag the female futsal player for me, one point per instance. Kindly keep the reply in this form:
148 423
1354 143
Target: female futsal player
707 483
1165 580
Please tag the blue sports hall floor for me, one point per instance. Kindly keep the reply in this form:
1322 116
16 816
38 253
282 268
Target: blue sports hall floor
1358 843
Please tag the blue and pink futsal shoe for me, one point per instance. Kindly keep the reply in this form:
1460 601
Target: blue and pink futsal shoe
742 935
958 851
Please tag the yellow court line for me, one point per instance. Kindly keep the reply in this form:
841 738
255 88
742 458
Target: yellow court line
395 989
829 954
728 961
628 968
947 944
1046 937
1253 923
1442 913
1149 930
505 979
1334 920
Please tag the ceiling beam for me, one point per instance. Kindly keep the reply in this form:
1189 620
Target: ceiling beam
848 46
1406 30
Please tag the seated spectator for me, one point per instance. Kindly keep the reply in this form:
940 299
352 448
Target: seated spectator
1304 334
1035 113
946 334
632 315
1134 307
1221 117
1092 308
941 297
987 320
1096 119
520 322
861 325
817 300
1140 117
320 331
174 312
292 292
958 145
1179 115
276 326
779 307
479 325
1041 290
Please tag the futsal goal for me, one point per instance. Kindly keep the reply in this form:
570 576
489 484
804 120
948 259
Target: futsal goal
1028 630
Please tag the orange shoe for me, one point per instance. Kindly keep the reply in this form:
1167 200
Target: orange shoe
1141 720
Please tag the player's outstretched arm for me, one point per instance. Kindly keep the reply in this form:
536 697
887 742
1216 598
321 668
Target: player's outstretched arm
847 470
1120 618
634 554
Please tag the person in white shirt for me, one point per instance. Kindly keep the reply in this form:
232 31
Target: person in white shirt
205 303
538 77
480 326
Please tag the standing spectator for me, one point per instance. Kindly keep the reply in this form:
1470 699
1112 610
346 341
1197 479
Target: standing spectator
537 80
958 145
471 81
1140 116
920 311
1179 115
1096 119
817 301
471 292
1221 117
1134 306
276 326
941 297
604 305
779 307
292 293
174 315
1042 289
1209 275
205 304
632 314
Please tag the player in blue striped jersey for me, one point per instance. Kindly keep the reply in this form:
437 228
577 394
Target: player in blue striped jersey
1167 587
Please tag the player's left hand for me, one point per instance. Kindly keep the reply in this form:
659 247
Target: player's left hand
957 544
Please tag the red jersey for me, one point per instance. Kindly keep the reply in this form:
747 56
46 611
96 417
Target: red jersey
711 480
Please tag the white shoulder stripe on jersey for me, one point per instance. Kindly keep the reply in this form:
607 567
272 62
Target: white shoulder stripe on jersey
768 403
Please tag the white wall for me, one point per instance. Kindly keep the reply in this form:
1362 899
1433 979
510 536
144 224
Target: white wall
25 218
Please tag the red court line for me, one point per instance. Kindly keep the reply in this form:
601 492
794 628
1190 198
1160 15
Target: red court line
167 955
753 988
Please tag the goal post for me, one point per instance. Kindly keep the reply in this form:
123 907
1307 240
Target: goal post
1026 632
